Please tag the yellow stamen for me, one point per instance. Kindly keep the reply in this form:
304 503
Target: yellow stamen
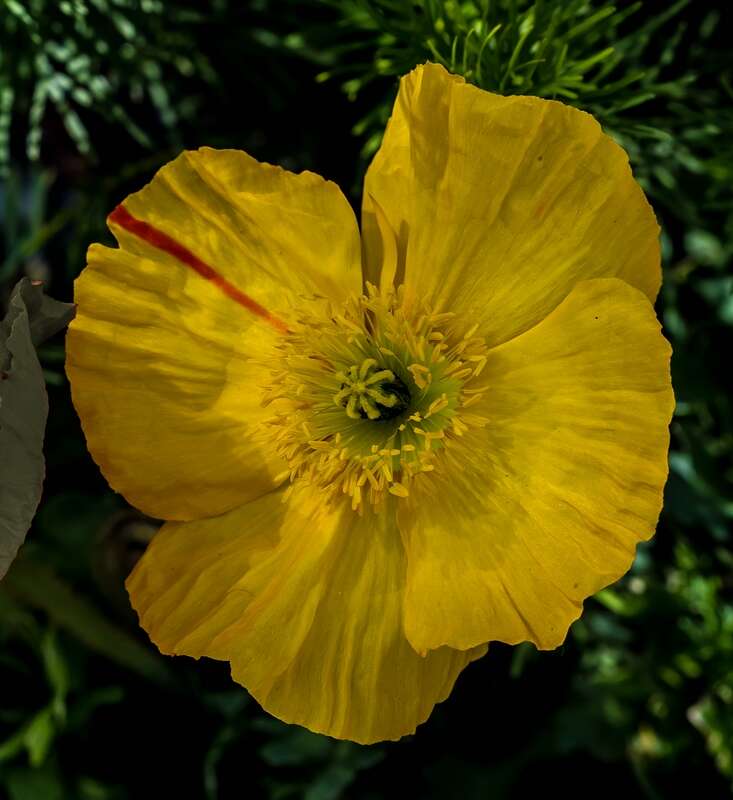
366 398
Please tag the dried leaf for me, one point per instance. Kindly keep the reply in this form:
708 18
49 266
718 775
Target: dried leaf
30 319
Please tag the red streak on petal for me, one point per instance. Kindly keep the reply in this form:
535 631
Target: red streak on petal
150 234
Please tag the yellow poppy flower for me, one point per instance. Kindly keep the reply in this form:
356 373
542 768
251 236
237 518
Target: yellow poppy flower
375 455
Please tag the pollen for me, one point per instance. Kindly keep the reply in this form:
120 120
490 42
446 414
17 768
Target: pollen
368 398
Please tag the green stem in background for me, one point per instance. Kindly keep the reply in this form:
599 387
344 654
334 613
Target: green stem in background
37 586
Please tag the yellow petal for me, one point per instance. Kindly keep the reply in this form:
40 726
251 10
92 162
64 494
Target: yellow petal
264 229
165 355
382 263
560 486
166 392
306 604
502 204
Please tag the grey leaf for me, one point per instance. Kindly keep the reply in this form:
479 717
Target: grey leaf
31 318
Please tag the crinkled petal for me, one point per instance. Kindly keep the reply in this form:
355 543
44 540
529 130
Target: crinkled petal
306 604
546 505
500 205
167 356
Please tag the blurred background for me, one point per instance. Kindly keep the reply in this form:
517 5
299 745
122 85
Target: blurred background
95 95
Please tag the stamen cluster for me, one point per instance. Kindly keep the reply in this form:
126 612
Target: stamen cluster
368 397
366 391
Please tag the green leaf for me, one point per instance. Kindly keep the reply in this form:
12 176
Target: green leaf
31 318
39 587
33 784
57 673
331 783
39 735
35 737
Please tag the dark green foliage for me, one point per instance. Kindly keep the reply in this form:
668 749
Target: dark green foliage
639 702
107 56
594 55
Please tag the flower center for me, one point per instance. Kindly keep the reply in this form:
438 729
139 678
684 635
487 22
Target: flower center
373 396
371 392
